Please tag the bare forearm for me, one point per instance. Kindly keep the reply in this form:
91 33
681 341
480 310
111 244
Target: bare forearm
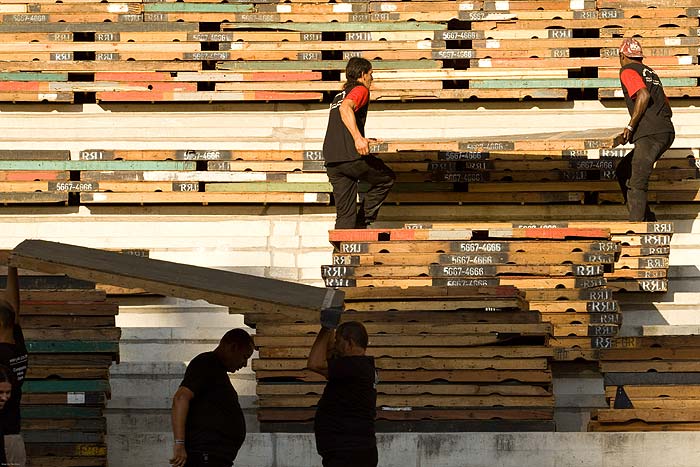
640 106
318 357
179 412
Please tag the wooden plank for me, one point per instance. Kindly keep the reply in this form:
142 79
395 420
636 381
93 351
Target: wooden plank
411 389
416 401
417 352
238 291
456 376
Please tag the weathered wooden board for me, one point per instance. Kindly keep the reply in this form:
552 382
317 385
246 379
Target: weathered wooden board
238 291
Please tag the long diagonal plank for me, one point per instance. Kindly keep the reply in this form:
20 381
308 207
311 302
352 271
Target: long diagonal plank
238 291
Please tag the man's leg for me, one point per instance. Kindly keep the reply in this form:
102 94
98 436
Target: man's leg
381 179
345 195
623 171
14 450
647 150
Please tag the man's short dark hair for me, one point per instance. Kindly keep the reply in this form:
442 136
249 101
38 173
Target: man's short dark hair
355 332
238 337
7 315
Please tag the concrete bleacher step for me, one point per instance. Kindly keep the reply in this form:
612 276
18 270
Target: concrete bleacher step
148 384
167 344
682 330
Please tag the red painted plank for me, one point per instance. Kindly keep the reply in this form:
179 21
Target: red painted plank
371 235
24 86
25 176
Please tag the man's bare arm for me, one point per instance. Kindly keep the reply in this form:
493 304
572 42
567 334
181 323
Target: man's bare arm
318 357
180 409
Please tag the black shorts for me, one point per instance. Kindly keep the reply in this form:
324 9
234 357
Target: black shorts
351 458
206 459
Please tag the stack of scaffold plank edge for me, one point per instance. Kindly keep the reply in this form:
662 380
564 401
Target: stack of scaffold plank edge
448 359
560 271
574 167
639 250
265 50
69 327
652 383
163 176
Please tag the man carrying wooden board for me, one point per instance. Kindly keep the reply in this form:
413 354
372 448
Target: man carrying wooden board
208 423
346 152
650 129
13 355
344 422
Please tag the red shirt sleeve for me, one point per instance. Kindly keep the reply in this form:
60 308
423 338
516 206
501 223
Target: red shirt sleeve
632 82
359 95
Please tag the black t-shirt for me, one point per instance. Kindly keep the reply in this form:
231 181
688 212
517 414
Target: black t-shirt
338 145
215 421
15 357
347 410
657 117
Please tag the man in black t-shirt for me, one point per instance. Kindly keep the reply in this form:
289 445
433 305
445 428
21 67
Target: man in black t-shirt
650 129
13 355
345 417
208 423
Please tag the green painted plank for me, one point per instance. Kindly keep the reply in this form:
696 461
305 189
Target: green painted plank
98 165
72 346
566 83
60 411
196 8
29 76
71 385
55 436
340 27
290 65
257 187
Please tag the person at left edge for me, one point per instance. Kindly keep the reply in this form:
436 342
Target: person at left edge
208 423
13 355
6 379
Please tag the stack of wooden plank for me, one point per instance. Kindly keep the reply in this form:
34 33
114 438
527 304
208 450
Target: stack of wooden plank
69 327
566 167
34 176
560 269
448 359
652 384
87 51
226 176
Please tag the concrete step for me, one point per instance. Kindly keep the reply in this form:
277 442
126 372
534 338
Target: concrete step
152 381
660 330
169 344
184 316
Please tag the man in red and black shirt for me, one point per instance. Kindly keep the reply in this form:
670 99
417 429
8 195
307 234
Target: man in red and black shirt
346 152
650 129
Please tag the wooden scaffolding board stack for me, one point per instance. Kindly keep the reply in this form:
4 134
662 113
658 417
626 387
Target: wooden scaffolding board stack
652 384
463 358
228 176
560 269
159 52
36 185
69 327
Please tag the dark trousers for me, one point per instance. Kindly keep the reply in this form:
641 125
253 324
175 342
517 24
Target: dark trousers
205 459
344 178
634 170
355 458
